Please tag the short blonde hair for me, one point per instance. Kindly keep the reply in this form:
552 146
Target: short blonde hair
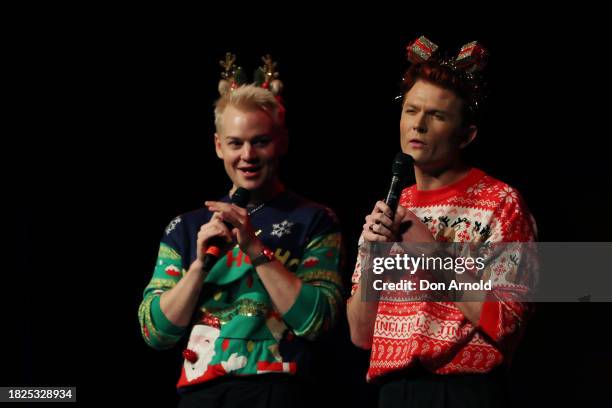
250 97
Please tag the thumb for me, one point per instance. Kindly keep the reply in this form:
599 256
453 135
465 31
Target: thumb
400 212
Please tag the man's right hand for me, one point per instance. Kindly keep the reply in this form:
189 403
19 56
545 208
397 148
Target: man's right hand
178 303
214 228
405 226
380 227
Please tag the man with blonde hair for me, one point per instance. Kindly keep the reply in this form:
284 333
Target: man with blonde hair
251 317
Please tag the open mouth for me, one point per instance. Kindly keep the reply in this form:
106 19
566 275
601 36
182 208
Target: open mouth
250 171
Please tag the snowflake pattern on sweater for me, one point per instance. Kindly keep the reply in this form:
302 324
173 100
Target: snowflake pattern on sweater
236 329
477 208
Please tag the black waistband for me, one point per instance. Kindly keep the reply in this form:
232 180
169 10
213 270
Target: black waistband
417 372
232 379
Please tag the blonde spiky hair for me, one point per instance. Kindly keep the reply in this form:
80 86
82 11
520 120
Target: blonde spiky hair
248 98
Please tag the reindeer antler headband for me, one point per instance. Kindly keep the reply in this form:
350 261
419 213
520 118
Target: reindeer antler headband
265 76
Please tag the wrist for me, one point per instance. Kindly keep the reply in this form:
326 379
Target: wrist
254 249
197 266
264 256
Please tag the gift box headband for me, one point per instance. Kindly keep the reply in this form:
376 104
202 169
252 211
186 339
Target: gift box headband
468 64
471 59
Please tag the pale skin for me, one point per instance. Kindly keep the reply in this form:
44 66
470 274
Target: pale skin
250 145
432 133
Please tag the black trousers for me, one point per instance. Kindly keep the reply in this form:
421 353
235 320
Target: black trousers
422 389
257 391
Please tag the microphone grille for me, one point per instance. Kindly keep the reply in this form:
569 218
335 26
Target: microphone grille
401 164
241 197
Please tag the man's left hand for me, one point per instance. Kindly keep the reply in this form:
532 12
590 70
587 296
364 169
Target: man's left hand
243 230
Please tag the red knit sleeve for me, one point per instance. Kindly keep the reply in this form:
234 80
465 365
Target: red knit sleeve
512 270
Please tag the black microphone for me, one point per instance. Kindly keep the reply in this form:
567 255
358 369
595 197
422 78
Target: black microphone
213 252
401 169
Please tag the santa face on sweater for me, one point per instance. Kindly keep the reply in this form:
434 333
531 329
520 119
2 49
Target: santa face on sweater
431 126
202 341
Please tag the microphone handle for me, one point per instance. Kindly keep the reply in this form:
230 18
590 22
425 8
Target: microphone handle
393 195
240 198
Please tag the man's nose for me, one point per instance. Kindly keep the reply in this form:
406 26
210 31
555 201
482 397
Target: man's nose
248 152
420 124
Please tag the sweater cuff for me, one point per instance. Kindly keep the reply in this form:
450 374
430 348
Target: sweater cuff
161 322
302 311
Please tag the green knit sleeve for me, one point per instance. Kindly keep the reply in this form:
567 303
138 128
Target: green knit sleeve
157 331
317 305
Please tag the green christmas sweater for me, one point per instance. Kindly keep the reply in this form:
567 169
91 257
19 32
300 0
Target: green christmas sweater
235 329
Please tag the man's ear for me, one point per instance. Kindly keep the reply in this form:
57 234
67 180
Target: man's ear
218 146
469 137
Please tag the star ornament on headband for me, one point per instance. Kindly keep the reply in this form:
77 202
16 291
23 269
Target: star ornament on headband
265 76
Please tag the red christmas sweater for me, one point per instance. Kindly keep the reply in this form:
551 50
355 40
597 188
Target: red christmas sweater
477 208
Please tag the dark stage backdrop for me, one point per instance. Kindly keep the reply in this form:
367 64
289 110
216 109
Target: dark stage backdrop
117 139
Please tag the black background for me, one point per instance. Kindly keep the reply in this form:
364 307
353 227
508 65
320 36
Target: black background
112 137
